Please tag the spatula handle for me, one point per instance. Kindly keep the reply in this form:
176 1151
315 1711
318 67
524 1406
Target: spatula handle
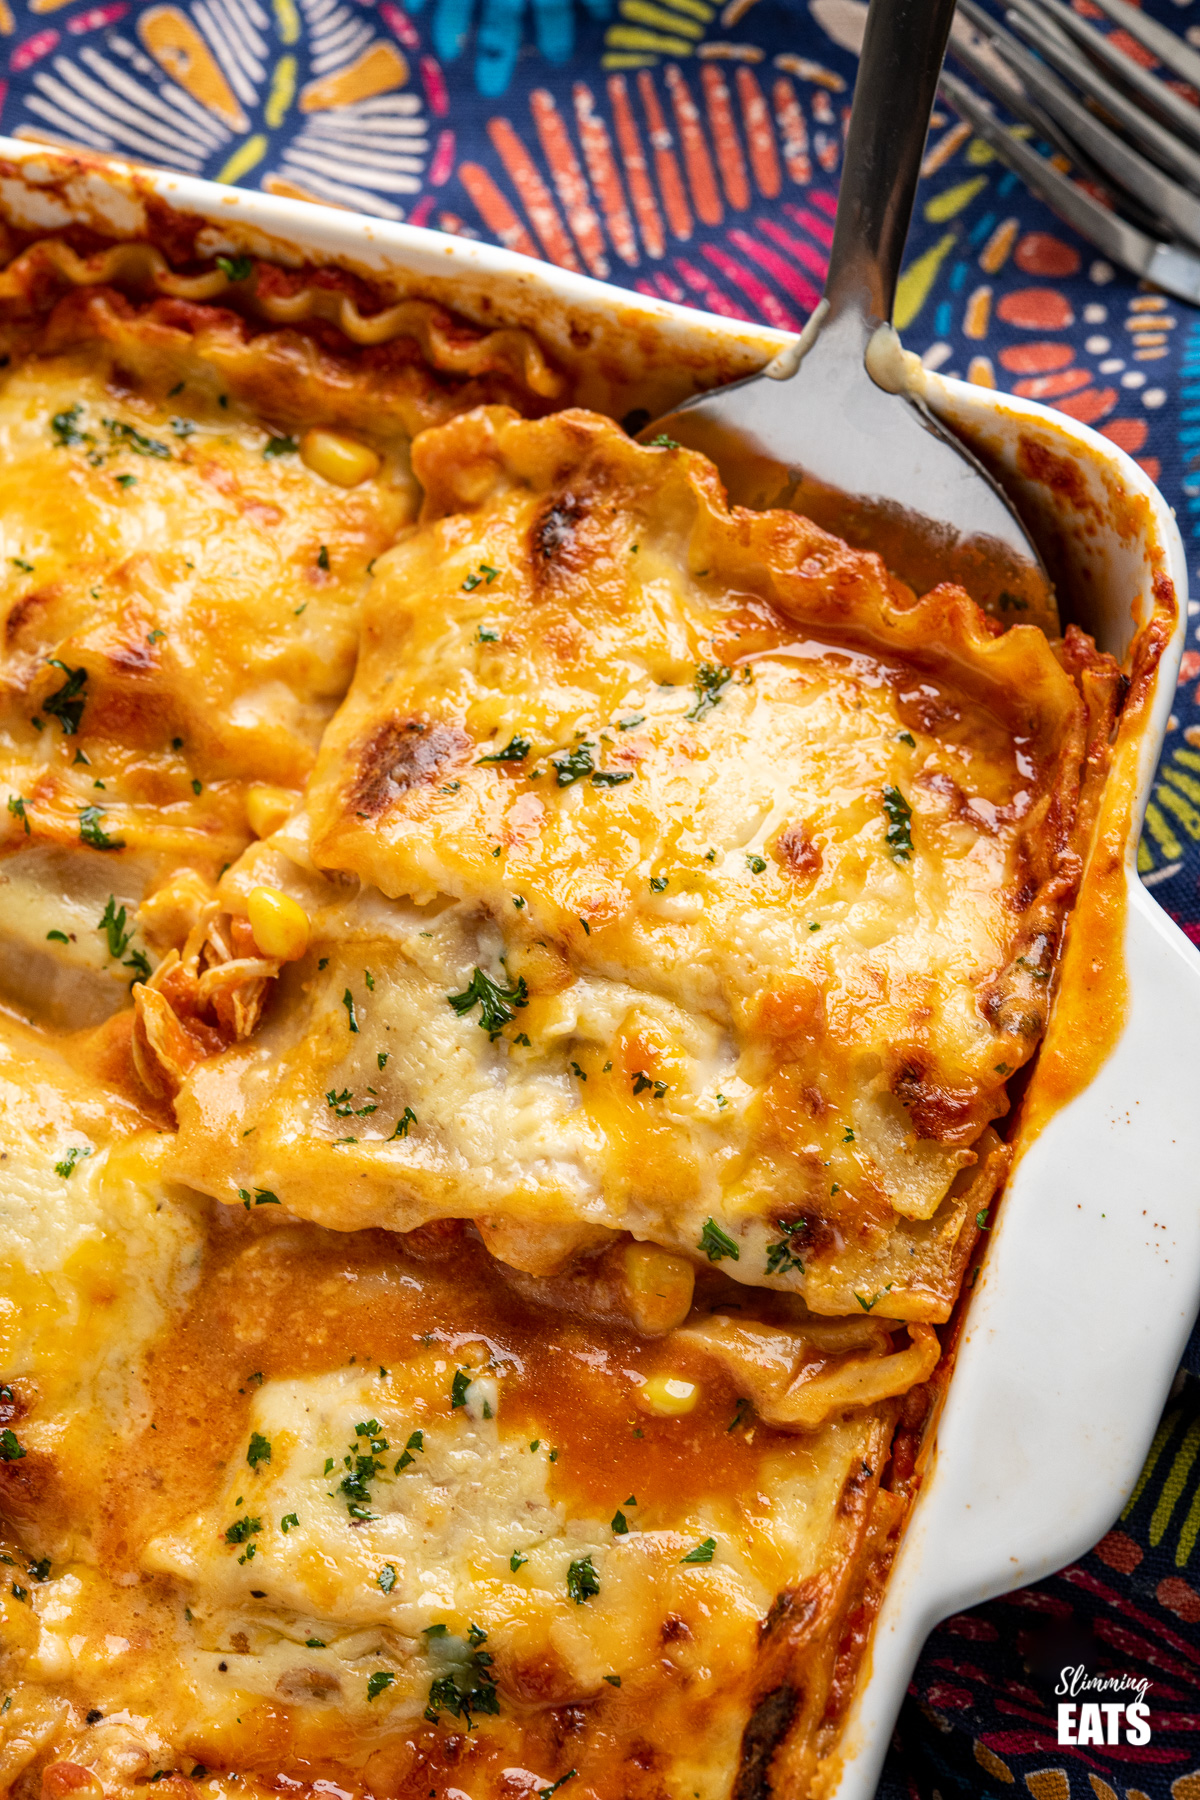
902 53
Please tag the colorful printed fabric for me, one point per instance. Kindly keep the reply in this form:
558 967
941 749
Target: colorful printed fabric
691 151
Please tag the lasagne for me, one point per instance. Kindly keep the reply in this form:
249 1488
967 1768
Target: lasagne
513 971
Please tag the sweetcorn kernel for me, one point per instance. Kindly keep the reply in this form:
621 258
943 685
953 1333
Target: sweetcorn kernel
279 925
268 807
658 1287
669 1395
342 460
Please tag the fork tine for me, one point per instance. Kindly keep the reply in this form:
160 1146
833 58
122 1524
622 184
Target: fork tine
1179 210
1180 159
1168 267
997 76
1180 114
1166 45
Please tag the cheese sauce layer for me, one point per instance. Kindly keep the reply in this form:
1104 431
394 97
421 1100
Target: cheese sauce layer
316 1507
671 871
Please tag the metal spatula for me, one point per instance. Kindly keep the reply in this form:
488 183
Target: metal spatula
816 432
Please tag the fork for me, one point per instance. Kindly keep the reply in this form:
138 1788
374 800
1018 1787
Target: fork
1150 166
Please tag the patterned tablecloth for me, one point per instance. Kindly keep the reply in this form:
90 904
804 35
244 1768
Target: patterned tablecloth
692 150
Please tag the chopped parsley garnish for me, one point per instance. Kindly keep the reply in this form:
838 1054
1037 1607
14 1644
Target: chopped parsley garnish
981 1219
781 1256
381 1058
386 1577
130 438
899 831
408 1118
57 937
583 1583
18 562
363 1469
711 681
280 446
259 1451
289 1522
16 806
849 1137
241 1530
1032 969
235 268
183 428
40 1570
703 1553
112 924
906 737
67 702
312 1644
19 1593
459 1386
756 864
467 1691
128 481
344 1107
348 1003
65 427
643 1083
517 1561
323 557
572 765
11 1449
262 1197
515 751
611 777
577 1072
875 1298
497 1005
487 574
663 442
76 1154
628 724
382 1678
717 1244
92 832
546 1792
620 1523
739 1415
612 1680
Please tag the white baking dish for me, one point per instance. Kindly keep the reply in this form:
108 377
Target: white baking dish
1092 1277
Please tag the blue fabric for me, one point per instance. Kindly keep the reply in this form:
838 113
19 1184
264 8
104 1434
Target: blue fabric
692 152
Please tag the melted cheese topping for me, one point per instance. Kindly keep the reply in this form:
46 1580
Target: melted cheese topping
668 873
180 595
436 1505
725 884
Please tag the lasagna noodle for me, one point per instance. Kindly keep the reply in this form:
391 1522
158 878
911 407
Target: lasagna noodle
670 871
249 1546
180 590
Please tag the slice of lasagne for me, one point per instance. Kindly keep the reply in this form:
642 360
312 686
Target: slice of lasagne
283 1505
193 499
669 871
